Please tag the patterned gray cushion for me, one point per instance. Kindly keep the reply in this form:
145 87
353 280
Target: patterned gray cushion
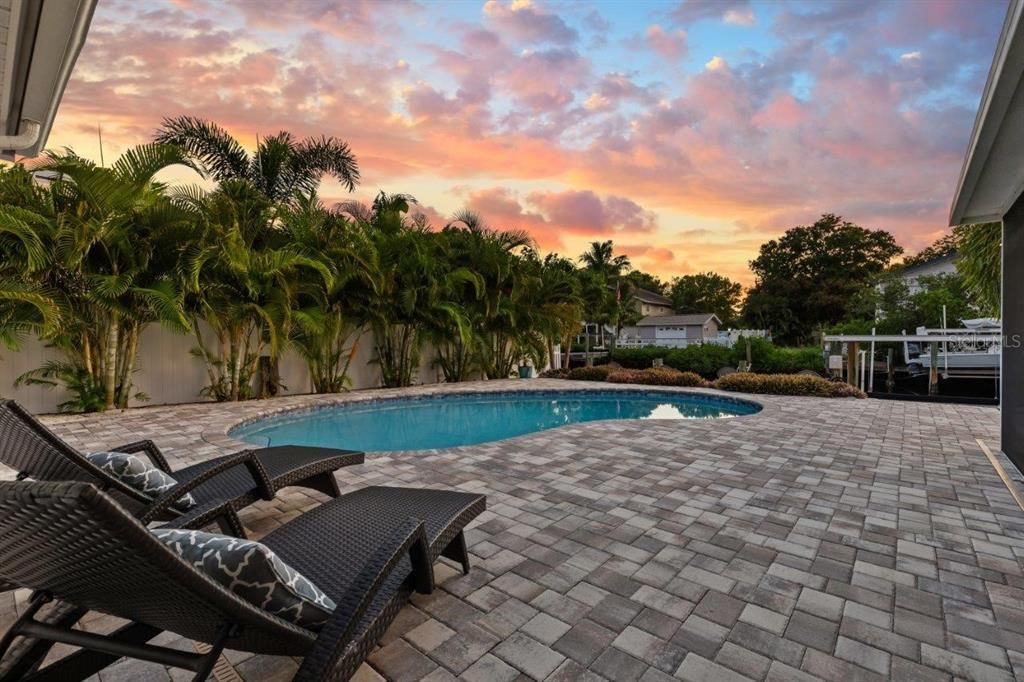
133 472
253 572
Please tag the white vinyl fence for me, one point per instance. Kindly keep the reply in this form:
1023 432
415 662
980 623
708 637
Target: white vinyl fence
168 373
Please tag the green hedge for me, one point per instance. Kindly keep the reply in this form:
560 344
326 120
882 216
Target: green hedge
707 359
638 358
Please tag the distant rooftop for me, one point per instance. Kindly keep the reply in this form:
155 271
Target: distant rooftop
646 296
928 264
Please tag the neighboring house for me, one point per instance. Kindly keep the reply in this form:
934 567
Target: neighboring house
943 265
648 303
672 330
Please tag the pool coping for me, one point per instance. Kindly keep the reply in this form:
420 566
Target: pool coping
633 389
218 433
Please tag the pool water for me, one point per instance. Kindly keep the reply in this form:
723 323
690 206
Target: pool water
449 420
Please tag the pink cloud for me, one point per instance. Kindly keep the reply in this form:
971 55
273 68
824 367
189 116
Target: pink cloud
830 120
671 46
524 21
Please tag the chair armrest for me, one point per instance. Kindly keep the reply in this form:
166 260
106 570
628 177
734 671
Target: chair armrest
337 633
148 448
245 458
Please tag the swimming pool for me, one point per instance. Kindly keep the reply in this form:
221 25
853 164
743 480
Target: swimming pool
443 421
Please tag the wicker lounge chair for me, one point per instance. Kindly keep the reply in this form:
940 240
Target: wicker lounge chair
220 486
366 550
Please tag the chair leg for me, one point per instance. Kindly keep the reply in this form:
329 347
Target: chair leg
210 661
456 551
230 524
325 483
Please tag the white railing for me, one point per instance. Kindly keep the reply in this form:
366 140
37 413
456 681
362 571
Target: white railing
673 343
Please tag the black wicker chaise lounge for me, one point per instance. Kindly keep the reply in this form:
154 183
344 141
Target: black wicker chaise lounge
221 486
366 550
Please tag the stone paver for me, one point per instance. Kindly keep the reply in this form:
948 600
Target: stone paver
818 539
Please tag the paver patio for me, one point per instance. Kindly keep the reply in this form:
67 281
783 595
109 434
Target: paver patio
818 539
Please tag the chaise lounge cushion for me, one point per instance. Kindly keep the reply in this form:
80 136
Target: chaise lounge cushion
253 572
134 472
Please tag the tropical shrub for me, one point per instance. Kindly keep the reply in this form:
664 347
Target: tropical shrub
656 376
767 358
705 360
787 384
638 358
111 240
556 373
596 373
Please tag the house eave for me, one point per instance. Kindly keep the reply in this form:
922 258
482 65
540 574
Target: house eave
992 177
43 41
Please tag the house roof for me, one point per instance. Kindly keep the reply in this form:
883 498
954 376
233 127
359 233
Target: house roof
677 320
650 297
992 176
39 44
928 264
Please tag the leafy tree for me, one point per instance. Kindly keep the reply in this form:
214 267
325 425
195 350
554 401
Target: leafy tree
806 279
645 280
945 245
707 292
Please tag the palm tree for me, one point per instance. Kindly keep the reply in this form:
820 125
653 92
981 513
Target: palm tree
416 286
281 168
979 251
558 301
330 317
26 306
113 236
241 275
601 258
497 311
601 261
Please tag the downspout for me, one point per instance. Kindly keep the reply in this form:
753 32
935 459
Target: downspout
26 138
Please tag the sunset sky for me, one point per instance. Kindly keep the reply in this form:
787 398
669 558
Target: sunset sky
688 132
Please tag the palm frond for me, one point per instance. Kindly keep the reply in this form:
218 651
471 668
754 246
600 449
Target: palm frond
221 156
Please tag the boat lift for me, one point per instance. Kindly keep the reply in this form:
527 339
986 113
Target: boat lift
937 362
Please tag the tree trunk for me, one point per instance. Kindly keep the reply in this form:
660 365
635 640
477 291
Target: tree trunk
233 365
87 355
110 362
128 366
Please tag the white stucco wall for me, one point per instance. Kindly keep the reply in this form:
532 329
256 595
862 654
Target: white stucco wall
168 373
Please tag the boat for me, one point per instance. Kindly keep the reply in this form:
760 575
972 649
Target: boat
973 351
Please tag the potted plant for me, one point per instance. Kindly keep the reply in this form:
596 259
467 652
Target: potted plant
531 351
